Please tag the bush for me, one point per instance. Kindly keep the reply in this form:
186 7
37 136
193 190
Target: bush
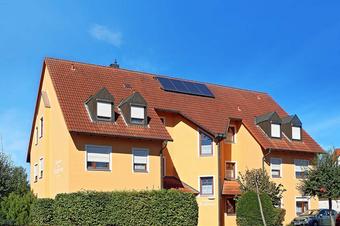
280 213
248 210
15 209
165 207
42 212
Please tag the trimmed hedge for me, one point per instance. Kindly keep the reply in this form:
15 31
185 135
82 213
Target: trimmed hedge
42 212
248 210
164 207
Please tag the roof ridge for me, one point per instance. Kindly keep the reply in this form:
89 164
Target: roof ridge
160 75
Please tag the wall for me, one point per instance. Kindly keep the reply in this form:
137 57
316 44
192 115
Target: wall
183 160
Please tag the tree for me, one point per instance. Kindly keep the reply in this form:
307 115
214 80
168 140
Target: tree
248 211
265 186
323 180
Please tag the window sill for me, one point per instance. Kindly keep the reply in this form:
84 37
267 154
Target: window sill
207 155
140 171
99 170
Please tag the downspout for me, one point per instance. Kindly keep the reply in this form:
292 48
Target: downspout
165 143
264 158
219 138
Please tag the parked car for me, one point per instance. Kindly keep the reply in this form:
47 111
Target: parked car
338 220
318 217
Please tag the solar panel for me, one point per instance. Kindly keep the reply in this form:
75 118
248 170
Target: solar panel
186 87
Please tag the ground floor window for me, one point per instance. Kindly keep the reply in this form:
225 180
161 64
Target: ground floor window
301 205
230 206
98 157
207 186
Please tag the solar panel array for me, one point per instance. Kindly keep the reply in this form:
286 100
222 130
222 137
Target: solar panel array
179 86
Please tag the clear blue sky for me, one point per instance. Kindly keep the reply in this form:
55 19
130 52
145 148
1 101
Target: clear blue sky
290 49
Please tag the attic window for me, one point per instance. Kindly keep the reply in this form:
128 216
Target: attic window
275 130
104 110
137 114
296 133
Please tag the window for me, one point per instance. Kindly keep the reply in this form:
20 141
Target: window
36 135
98 157
41 168
296 133
41 127
35 172
276 130
275 165
104 110
231 134
230 206
137 115
162 120
230 171
301 167
207 186
206 146
140 160
301 205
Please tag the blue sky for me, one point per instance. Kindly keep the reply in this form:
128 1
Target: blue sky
289 49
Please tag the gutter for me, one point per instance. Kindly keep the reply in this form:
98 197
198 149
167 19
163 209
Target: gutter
219 137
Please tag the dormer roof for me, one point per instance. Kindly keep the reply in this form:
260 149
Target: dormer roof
292 120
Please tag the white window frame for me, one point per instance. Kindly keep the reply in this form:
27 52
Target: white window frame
35 173
104 117
271 130
199 144
36 135
137 118
199 186
281 172
235 140
41 131
235 162
303 199
98 146
300 132
295 165
41 167
147 160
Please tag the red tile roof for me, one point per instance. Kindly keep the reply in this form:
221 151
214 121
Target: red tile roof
75 82
337 152
171 182
231 188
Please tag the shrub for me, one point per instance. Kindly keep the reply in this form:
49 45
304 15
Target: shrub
248 210
165 207
280 216
15 209
42 212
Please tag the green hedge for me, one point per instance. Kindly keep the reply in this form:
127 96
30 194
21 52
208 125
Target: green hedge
248 210
42 212
165 207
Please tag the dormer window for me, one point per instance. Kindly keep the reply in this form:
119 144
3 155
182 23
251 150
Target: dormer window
275 130
137 114
296 133
104 110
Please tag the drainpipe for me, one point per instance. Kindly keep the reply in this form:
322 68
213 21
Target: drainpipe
264 158
219 138
165 143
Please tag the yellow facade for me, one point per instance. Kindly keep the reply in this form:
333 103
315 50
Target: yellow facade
65 161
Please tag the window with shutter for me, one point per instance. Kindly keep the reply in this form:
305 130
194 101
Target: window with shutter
41 168
276 130
137 114
207 186
301 167
275 165
206 145
104 110
98 157
296 133
140 160
35 172
230 173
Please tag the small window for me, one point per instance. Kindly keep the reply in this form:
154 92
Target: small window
104 110
206 145
137 115
301 167
41 132
207 186
296 133
276 130
41 168
230 206
275 165
231 134
162 120
36 135
301 205
140 160
98 157
230 173
35 172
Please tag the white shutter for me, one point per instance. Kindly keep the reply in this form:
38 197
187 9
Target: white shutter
206 149
140 156
137 112
275 163
104 109
296 133
41 164
301 165
276 130
98 154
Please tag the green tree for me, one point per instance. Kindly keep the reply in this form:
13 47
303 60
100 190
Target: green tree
265 186
323 180
15 208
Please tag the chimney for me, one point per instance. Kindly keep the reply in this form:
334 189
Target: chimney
115 64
